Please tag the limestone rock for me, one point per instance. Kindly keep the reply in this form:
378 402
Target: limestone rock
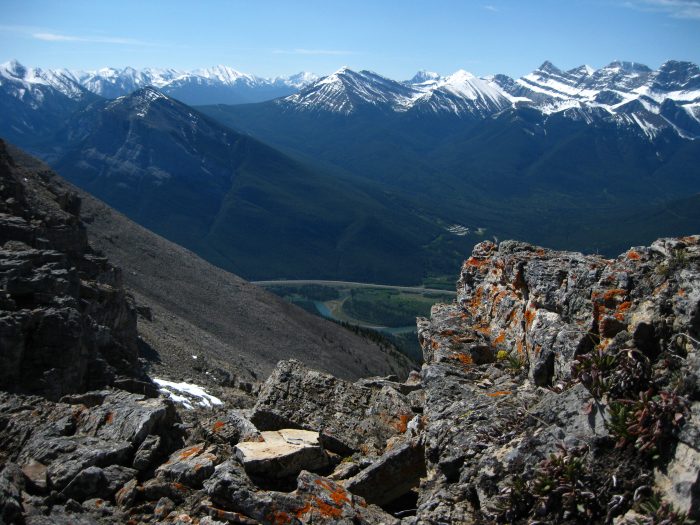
231 428
36 474
680 479
315 500
523 318
349 417
391 476
282 453
147 452
190 466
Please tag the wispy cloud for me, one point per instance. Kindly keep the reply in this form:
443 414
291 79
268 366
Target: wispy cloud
47 35
491 8
673 8
299 51
56 37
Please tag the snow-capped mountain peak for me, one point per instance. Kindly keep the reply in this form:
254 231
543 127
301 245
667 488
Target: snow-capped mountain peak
224 74
34 85
346 91
465 84
214 85
13 68
424 77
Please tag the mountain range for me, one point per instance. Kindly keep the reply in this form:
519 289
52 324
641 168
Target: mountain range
360 177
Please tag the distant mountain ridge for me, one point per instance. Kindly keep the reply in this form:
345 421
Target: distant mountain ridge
214 85
626 93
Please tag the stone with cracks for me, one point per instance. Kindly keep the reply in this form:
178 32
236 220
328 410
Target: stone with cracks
349 417
394 474
282 453
189 466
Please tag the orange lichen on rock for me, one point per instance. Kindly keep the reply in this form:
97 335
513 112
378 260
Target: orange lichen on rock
337 493
499 393
178 486
634 256
609 295
621 310
402 424
218 425
477 263
326 510
483 329
529 316
475 301
463 358
281 518
192 451
500 339
304 510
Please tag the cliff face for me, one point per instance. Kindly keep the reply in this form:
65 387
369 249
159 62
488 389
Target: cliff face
66 322
564 387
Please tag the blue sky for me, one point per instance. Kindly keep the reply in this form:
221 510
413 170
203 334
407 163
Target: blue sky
392 37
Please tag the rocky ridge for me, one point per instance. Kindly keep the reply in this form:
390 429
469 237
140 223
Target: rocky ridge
66 323
558 388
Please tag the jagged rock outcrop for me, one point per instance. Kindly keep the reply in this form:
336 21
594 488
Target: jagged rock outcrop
558 384
66 322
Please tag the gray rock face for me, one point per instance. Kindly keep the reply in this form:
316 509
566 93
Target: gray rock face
599 334
391 476
680 479
315 500
233 427
66 439
66 323
189 466
11 494
349 417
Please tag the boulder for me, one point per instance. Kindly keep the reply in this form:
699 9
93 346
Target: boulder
394 474
189 466
95 482
282 453
147 452
349 417
316 500
231 428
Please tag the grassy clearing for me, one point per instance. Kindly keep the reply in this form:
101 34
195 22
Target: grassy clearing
389 307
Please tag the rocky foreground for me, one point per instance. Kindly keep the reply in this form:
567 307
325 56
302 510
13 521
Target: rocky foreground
558 388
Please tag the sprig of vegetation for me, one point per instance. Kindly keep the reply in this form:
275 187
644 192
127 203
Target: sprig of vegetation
656 511
648 421
514 362
593 371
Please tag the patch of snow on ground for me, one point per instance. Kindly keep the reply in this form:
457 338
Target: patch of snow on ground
187 394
